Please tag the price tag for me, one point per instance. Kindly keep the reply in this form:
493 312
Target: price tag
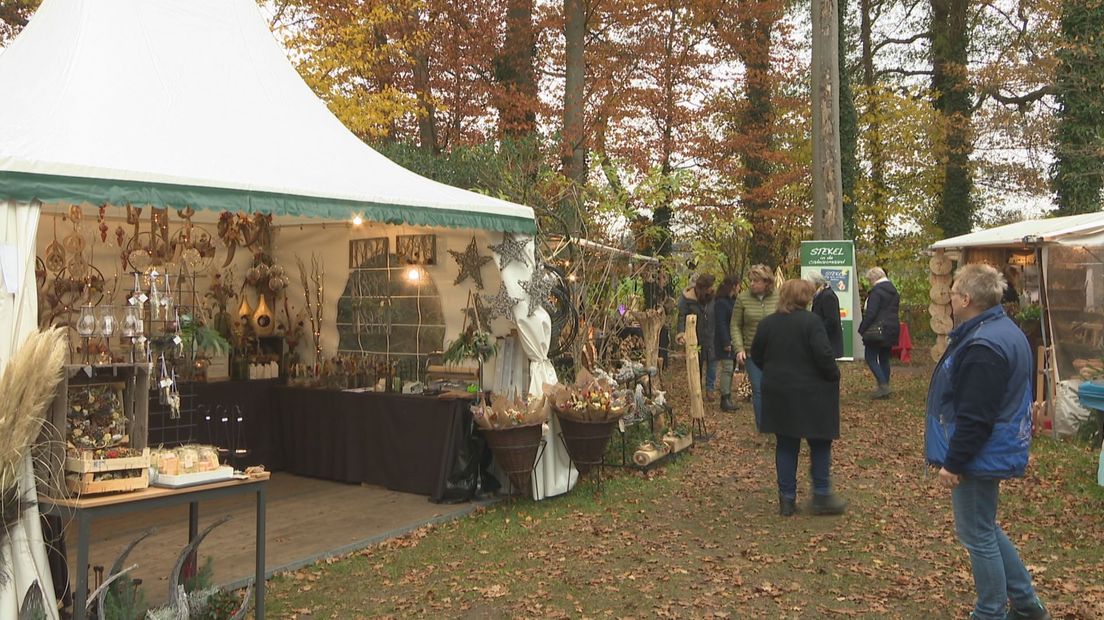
621 425
166 382
178 340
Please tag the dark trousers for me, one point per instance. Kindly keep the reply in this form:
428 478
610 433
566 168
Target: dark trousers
785 463
877 358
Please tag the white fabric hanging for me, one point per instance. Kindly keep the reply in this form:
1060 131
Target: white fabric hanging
555 474
23 554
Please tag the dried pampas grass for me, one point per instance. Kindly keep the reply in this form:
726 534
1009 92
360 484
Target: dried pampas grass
26 389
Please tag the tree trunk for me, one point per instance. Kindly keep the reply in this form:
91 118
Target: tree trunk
758 126
1079 134
950 42
876 236
427 113
573 155
515 74
827 187
848 127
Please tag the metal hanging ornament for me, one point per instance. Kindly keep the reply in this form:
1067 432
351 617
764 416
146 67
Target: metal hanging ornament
475 312
500 304
471 264
511 249
537 287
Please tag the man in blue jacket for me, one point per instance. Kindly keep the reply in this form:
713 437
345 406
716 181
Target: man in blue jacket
978 432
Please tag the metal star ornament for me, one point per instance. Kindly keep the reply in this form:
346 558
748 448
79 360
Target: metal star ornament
471 264
511 249
500 304
538 286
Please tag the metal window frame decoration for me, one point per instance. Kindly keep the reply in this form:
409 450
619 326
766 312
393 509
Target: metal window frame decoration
416 249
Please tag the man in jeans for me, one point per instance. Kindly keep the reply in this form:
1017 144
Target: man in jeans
978 432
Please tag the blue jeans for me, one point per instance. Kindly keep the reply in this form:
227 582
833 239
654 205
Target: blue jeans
877 358
711 375
999 574
786 450
755 378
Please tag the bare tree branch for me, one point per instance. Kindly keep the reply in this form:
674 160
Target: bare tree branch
905 41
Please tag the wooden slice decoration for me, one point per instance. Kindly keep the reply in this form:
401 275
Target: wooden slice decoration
940 265
942 325
940 279
940 294
939 310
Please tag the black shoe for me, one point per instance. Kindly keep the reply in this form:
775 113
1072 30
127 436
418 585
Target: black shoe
830 504
727 404
882 392
1035 611
787 506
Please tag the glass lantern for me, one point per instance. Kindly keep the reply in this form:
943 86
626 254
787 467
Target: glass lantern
86 322
107 323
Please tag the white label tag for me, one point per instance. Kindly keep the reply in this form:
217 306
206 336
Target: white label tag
178 340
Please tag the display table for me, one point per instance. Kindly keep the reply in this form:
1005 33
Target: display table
403 442
87 509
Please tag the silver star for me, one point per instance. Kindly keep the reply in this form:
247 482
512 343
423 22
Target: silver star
471 264
538 286
500 304
510 249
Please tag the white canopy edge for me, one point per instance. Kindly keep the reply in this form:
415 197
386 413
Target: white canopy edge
194 103
1028 232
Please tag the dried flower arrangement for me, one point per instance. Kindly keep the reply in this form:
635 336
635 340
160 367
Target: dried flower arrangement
504 412
95 417
590 399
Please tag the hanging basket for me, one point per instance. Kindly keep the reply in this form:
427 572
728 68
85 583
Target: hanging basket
515 450
586 441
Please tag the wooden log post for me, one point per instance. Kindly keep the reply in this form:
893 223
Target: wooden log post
693 368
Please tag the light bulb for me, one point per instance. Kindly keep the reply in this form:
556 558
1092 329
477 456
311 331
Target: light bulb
413 274
357 220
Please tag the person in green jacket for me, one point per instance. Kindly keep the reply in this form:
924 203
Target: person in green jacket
756 301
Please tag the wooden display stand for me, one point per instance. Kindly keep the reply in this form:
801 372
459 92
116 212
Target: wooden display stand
135 379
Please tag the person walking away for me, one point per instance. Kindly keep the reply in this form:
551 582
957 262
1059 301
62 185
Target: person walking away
697 300
978 432
880 327
755 302
826 306
722 345
800 396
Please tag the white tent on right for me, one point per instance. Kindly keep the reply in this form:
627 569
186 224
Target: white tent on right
1055 266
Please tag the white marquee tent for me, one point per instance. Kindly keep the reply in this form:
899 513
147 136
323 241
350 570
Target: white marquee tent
175 103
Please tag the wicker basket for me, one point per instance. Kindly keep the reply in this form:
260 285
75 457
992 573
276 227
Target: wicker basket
586 441
515 449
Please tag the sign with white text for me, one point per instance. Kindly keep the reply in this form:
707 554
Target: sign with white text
835 260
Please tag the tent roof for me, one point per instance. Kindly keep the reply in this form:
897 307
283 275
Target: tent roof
1028 232
194 103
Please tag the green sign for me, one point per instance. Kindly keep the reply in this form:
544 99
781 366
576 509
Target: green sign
835 260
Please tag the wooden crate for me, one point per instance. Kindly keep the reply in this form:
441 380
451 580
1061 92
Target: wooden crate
86 484
51 461
86 464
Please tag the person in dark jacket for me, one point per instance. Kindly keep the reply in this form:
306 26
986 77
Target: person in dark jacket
826 306
800 395
883 304
697 300
722 344
978 432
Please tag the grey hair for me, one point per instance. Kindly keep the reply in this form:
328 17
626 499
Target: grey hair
874 274
982 283
816 278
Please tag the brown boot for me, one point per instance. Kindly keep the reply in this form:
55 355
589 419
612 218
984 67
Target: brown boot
710 396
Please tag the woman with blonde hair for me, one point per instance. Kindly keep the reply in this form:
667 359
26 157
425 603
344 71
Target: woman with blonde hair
800 396
753 304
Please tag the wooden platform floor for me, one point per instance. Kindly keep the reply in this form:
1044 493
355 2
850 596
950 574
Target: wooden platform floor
307 520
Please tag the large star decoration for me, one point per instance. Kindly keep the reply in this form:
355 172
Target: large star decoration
538 286
500 304
511 249
471 264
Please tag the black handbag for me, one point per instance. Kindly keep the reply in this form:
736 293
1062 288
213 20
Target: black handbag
875 335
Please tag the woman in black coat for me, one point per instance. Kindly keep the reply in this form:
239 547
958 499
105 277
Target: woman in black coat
722 341
883 304
826 306
800 395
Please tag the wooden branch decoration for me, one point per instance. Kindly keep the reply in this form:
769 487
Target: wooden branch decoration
693 368
313 307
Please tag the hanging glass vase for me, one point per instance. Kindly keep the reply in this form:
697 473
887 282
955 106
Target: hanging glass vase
86 322
245 313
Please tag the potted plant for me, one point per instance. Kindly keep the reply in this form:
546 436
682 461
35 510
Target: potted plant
472 344
1029 318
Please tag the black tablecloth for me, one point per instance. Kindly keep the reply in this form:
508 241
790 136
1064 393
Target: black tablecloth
402 442
259 429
